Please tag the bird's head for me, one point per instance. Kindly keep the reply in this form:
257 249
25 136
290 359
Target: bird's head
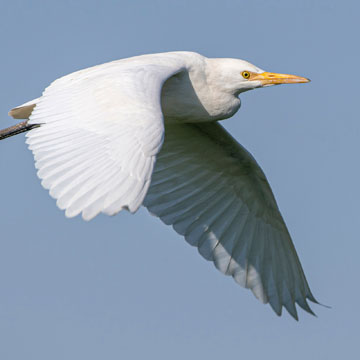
237 76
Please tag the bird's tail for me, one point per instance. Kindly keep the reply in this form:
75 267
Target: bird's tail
17 129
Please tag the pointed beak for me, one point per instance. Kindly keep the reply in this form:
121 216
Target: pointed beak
268 78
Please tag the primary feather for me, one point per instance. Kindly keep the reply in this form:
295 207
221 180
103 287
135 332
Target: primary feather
212 191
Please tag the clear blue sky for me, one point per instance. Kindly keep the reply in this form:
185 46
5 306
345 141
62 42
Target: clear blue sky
128 287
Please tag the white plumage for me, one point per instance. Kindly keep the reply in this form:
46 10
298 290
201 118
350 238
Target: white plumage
144 130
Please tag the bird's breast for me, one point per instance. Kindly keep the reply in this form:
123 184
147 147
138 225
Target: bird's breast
186 99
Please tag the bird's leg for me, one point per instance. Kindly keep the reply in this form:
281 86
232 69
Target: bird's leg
17 129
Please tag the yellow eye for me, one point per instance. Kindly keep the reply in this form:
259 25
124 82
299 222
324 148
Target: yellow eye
245 74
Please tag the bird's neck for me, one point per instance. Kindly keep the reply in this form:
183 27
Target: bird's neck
190 97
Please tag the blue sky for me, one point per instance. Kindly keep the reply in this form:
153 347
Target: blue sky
129 286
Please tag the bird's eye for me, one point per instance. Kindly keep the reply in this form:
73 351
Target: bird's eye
245 74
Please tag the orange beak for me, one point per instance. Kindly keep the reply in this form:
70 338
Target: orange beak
268 78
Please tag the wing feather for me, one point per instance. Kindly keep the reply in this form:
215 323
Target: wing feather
101 129
212 191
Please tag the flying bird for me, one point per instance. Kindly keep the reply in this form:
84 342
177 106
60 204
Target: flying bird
145 131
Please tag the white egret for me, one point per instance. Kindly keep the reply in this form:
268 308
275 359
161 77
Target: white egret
144 131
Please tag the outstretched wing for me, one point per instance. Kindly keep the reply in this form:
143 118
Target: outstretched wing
101 129
212 191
